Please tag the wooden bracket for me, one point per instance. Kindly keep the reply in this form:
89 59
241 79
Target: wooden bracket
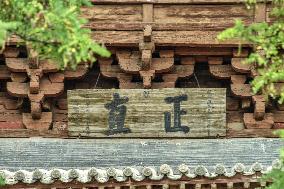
42 124
241 90
215 60
36 105
221 71
133 63
146 60
124 81
147 36
259 119
147 47
238 79
36 110
33 59
11 52
251 123
147 78
240 53
240 66
35 75
18 77
5 74
259 107
33 71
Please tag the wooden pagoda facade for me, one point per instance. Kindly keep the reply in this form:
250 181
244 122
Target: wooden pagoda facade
155 44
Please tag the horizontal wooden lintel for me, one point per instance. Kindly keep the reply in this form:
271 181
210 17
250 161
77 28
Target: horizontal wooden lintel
173 1
164 38
139 26
168 1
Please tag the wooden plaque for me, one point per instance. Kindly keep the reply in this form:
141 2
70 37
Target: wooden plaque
147 113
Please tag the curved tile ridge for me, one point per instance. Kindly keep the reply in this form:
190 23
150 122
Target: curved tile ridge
121 175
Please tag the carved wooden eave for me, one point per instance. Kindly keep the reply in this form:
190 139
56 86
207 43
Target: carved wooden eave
165 172
222 182
155 44
36 80
130 64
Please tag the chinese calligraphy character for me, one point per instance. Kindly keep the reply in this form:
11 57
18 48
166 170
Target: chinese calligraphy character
117 115
178 112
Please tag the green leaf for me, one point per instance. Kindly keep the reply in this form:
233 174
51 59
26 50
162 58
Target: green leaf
2 181
53 28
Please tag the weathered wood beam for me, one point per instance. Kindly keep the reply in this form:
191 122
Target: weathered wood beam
203 51
168 1
251 133
26 133
163 38
136 26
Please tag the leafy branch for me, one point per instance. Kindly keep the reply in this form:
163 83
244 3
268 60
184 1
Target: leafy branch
268 43
2 181
53 28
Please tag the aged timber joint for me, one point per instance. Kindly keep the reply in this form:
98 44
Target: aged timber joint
239 73
147 47
117 115
130 65
38 81
178 112
259 119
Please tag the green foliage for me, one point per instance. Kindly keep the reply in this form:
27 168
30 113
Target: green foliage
268 41
51 27
4 27
276 176
2 181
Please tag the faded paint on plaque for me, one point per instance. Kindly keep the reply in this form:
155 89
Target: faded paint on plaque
179 112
